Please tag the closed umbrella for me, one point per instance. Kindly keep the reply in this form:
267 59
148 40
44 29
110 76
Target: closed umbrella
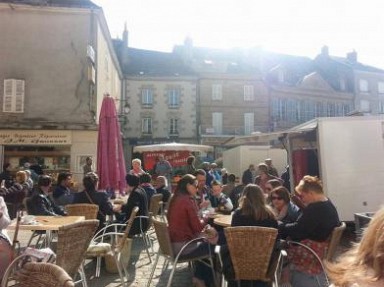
110 156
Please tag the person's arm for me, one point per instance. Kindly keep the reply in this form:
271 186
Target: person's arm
302 227
106 206
39 206
5 220
228 204
194 221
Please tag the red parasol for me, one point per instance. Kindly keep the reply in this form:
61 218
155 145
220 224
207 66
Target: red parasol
110 156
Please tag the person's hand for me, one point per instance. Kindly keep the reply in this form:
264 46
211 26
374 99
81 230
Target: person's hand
210 234
204 204
116 208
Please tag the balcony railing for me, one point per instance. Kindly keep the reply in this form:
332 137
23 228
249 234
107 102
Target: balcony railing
208 130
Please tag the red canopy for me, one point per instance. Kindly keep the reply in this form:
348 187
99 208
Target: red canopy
110 156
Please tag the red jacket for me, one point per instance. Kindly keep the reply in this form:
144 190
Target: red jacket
184 223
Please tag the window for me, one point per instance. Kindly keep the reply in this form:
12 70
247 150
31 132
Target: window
381 107
13 99
173 98
146 125
363 85
380 87
248 93
343 85
249 119
365 106
173 126
217 92
217 123
146 97
281 76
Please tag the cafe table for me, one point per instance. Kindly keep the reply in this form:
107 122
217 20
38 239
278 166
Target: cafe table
223 220
47 224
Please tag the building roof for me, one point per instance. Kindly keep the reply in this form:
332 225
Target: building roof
356 65
150 63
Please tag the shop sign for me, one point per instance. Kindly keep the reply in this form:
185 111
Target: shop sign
175 158
35 137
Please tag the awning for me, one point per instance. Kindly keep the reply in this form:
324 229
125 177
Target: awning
173 147
258 138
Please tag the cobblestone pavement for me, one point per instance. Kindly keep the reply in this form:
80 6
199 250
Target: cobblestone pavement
140 267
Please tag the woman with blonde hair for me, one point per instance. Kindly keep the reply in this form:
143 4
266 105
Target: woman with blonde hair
363 265
313 229
253 209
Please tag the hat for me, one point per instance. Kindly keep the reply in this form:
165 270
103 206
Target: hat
223 170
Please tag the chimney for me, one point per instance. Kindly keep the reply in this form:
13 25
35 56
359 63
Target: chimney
352 56
325 51
125 35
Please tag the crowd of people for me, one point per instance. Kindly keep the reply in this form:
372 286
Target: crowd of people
262 198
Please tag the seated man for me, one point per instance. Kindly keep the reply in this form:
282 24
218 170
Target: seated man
40 202
92 196
219 200
62 194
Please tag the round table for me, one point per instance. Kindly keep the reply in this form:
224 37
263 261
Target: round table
223 220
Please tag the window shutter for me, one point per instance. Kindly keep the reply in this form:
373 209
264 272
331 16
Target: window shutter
8 95
13 99
19 96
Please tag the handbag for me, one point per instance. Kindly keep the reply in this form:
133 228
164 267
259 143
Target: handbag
304 260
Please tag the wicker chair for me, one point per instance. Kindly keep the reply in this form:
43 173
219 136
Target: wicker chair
25 271
166 250
98 248
334 241
251 248
155 203
89 211
72 244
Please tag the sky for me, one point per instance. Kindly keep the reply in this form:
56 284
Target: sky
295 27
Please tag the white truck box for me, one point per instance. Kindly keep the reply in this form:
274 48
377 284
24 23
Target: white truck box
350 158
238 159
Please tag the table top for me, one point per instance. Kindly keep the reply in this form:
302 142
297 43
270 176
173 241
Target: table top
223 220
47 222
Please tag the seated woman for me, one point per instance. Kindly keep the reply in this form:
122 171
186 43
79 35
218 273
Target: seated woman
40 202
363 265
285 210
313 228
136 167
92 196
252 211
6 254
185 225
137 197
161 186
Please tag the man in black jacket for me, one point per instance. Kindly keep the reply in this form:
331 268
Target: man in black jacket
40 202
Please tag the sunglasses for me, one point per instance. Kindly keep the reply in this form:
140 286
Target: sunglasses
276 197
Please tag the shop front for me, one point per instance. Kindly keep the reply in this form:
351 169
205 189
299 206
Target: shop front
53 151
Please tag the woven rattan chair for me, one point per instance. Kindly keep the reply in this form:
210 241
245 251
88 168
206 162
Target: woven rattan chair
251 248
334 241
89 211
155 203
73 241
166 250
25 271
117 240
43 275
